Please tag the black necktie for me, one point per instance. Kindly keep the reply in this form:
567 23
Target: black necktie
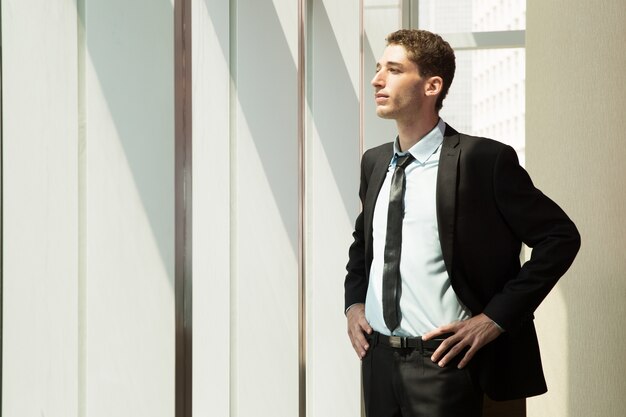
393 245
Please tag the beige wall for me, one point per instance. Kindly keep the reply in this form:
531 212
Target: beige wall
576 154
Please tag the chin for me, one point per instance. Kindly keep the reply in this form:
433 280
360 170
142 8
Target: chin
384 114
382 111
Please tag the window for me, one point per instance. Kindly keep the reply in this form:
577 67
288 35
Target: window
488 36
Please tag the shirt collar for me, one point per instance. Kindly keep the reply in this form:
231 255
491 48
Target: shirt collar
426 146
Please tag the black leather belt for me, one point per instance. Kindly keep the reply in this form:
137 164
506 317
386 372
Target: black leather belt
406 342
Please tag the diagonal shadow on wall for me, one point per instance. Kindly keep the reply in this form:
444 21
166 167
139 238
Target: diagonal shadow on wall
130 46
268 101
331 88
267 98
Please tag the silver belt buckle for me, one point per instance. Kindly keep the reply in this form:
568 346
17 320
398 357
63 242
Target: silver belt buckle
395 341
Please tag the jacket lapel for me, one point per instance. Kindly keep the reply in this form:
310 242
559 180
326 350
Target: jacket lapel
375 183
447 175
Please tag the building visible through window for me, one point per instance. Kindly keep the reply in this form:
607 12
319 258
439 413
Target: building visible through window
487 96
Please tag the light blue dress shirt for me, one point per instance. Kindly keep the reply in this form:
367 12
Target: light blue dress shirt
428 300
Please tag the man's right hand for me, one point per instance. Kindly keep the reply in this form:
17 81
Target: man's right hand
357 327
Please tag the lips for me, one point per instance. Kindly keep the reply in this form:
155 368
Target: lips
381 98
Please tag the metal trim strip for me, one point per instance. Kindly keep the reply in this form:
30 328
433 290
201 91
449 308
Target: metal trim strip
302 340
183 208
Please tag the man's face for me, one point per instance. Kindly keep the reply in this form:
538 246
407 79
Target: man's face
399 89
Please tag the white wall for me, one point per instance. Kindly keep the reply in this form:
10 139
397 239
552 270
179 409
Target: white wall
129 208
245 208
264 201
211 124
332 173
575 153
40 209
88 208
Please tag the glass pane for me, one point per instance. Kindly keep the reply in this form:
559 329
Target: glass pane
487 96
380 18
454 16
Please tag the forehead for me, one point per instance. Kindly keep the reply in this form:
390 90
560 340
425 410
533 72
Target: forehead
396 54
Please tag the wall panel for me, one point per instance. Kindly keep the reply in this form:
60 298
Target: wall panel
211 207
265 209
332 174
575 151
88 208
40 208
129 219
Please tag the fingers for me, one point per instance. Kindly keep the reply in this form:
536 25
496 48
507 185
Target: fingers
357 338
473 333
359 343
441 330
448 342
365 326
430 335
455 352
357 327
468 356
452 345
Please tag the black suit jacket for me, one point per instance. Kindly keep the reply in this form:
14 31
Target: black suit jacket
486 207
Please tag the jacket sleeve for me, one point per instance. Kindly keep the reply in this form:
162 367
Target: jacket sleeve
542 225
356 282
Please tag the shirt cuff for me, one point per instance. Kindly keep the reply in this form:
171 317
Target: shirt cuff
348 309
496 324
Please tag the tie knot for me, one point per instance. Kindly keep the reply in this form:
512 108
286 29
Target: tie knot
403 160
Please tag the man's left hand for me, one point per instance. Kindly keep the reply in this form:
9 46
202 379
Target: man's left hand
474 333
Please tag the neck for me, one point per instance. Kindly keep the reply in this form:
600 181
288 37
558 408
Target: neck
412 131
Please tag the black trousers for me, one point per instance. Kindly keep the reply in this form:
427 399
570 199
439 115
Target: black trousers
404 382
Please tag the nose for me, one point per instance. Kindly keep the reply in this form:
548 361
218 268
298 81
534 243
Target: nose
378 81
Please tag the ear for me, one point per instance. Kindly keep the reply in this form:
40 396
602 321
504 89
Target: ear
434 85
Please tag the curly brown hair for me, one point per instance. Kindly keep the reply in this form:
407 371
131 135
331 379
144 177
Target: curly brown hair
433 56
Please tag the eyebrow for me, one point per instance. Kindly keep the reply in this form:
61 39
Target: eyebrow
390 64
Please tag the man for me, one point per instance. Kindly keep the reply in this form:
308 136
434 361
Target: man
438 307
